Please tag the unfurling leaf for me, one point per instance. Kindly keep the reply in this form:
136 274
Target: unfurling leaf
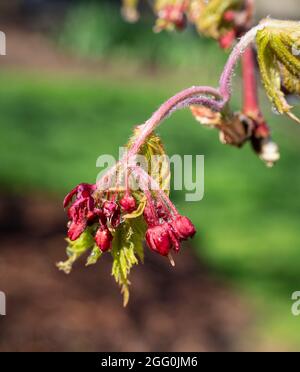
94 256
157 162
127 245
209 17
290 82
279 62
76 249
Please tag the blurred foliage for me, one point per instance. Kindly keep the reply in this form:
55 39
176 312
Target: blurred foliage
97 30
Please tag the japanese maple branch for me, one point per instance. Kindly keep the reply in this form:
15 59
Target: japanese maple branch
204 96
187 97
238 51
191 96
214 98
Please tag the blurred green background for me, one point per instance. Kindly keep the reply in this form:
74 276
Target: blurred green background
55 123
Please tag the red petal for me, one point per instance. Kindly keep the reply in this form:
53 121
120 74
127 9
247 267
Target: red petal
109 208
69 197
158 239
183 228
128 203
76 229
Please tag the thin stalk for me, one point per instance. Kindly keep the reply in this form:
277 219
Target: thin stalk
250 91
191 96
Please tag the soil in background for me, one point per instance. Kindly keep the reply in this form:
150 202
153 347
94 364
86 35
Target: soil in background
181 309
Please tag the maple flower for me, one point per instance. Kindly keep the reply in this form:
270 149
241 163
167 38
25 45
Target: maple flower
111 211
166 228
104 239
160 236
159 240
82 191
171 14
183 227
128 203
81 211
109 208
161 210
166 236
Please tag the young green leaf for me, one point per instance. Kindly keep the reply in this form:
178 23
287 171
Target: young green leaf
127 243
210 22
279 62
75 249
290 82
94 256
157 161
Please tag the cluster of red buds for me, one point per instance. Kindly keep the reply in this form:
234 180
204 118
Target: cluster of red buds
165 230
222 20
171 15
85 211
103 217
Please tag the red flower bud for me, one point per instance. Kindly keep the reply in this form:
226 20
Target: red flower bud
116 219
109 208
69 197
174 15
112 213
226 41
78 214
82 191
175 241
181 23
149 216
161 211
82 210
104 239
96 216
158 239
183 228
76 229
128 203
229 16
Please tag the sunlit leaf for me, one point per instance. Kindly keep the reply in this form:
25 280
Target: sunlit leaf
270 72
76 249
158 165
210 20
94 256
127 245
279 63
